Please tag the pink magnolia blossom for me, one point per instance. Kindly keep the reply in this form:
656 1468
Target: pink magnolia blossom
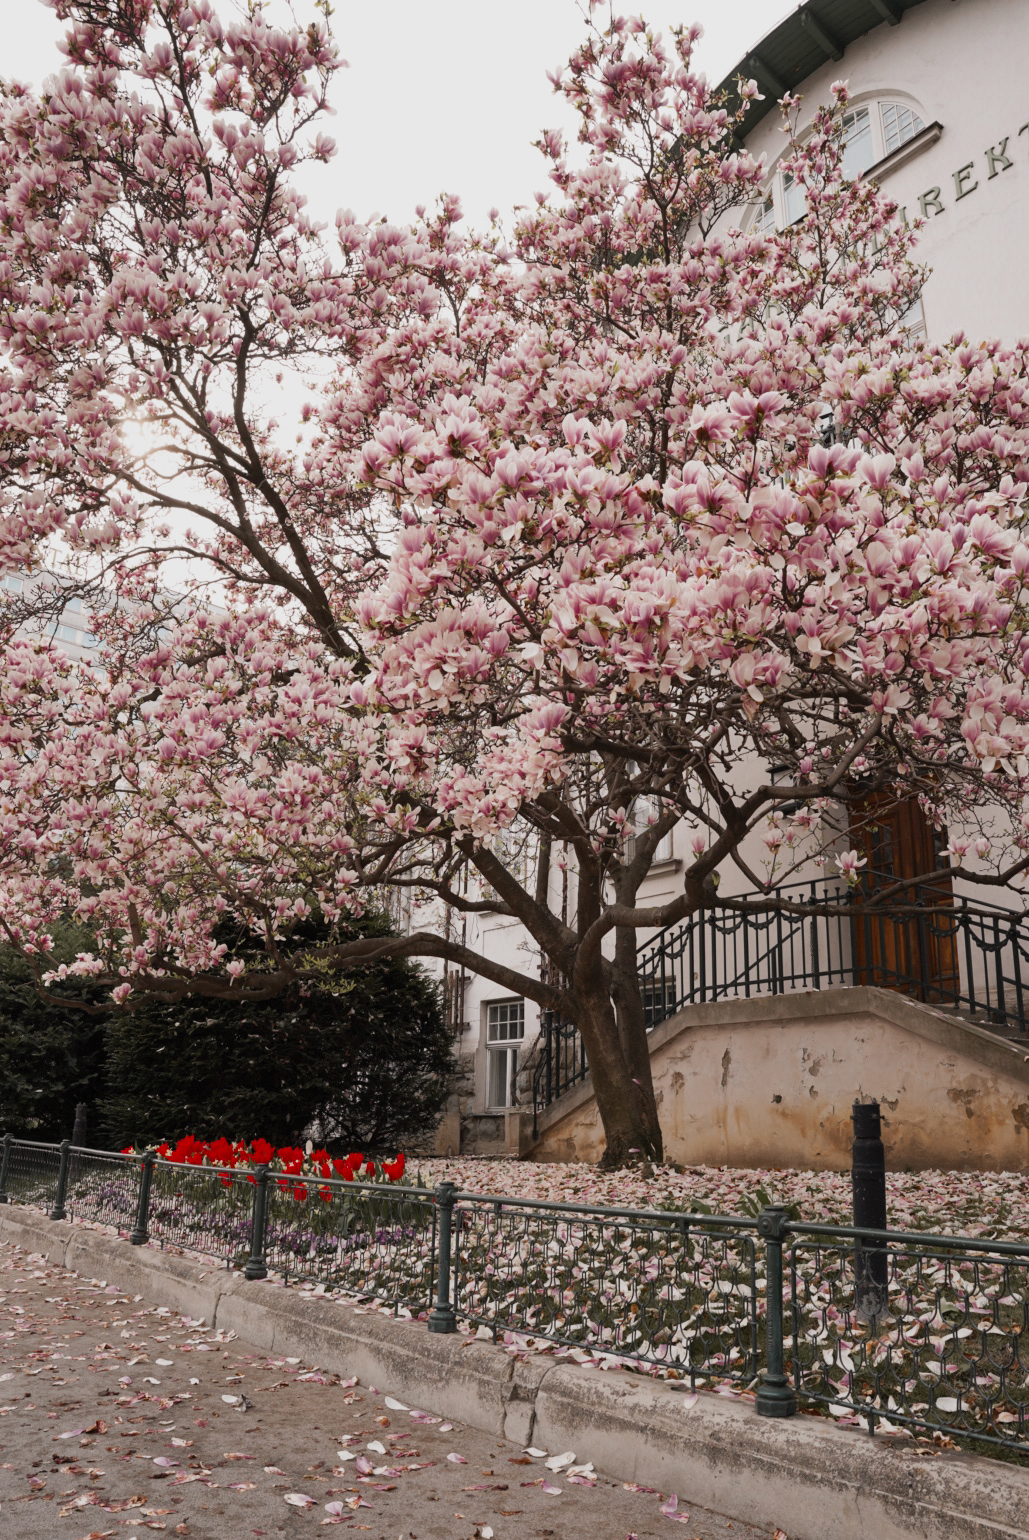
557 533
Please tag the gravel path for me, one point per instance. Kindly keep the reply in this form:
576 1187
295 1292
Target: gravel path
118 1418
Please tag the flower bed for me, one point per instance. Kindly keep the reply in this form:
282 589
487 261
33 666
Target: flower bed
290 1160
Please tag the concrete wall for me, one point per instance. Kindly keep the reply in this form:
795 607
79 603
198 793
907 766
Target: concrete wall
770 1082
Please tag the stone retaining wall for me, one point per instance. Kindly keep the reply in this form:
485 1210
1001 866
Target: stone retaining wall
770 1082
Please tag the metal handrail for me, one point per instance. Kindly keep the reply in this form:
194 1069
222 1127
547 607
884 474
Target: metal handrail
602 1211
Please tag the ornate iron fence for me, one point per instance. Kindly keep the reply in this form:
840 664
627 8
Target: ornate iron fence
917 1333
103 1186
201 1208
30 1173
941 950
560 1062
946 1349
367 1239
670 1289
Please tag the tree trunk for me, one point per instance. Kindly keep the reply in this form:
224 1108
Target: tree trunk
632 1034
625 1098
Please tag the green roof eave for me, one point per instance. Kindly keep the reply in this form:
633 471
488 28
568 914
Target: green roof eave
817 32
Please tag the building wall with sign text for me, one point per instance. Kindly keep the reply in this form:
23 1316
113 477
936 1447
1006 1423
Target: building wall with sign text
957 67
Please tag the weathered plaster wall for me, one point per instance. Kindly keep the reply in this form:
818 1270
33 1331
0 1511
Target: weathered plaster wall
770 1082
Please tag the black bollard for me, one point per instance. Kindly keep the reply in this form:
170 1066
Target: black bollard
868 1175
78 1133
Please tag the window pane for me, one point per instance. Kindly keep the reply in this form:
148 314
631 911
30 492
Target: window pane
503 1070
912 322
658 1000
646 811
505 1021
899 125
858 153
794 198
764 221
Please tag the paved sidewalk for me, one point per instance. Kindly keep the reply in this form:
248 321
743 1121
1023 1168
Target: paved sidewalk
118 1419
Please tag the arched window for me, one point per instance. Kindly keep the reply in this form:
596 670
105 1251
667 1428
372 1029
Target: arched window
794 199
872 131
764 221
900 124
859 149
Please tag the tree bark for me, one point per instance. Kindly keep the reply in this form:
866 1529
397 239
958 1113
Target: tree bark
632 1034
625 1099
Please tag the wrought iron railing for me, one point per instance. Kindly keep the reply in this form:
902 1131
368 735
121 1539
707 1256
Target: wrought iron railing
941 950
944 951
560 1062
928 1333
659 1288
948 1353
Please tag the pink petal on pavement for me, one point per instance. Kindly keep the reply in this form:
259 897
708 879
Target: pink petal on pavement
457 1459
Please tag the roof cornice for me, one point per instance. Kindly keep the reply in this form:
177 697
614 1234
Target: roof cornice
817 31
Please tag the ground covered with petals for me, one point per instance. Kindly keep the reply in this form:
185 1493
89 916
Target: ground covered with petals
994 1204
119 1418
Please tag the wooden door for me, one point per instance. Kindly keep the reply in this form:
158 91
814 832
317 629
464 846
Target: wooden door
917 954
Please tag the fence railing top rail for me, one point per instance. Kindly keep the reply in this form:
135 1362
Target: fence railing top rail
603 1211
924 1239
87 1149
791 1229
802 900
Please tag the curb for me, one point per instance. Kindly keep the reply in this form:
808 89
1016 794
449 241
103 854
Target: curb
818 1481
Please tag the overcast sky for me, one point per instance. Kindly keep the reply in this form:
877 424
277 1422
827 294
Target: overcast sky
443 96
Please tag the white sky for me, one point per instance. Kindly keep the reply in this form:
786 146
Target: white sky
444 96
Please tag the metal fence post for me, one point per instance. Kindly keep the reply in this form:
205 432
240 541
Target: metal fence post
443 1317
59 1211
140 1231
5 1166
868 1178
256 1266
776 1396
78 1130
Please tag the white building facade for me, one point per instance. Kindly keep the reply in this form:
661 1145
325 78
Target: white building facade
939 116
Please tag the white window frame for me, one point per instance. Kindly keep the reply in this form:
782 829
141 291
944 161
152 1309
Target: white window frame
505 1033
642 809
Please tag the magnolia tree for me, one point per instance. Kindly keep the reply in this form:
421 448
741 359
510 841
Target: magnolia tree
616 512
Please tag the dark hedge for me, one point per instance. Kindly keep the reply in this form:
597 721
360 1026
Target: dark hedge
363 1062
